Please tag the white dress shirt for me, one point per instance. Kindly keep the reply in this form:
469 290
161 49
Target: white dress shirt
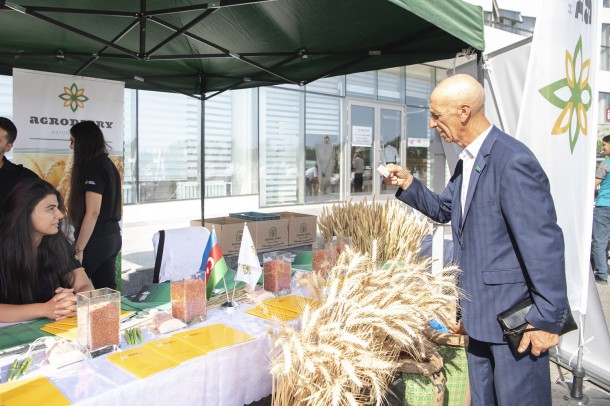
468 156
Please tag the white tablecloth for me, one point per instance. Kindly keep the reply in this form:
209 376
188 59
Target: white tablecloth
230 376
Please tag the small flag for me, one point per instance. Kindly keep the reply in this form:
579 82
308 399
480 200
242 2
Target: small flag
248 267
214 264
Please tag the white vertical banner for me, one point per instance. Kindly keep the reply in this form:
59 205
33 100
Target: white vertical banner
558 123
45 107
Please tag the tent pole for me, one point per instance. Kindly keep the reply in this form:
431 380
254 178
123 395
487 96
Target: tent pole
480 71
202 148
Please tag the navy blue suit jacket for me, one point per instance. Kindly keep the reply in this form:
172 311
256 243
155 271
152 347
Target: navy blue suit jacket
507 241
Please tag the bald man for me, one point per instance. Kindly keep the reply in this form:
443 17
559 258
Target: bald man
506 240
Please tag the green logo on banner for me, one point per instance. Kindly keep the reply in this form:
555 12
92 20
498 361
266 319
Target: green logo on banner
74 97
568 94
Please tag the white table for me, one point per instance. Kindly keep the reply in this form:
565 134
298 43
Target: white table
230 376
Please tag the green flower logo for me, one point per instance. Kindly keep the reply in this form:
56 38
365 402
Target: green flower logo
573 116
74 97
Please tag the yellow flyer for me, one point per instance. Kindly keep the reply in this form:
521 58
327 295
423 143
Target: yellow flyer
142 361
174 349
273 313
292 303
32 391
210 338
71 333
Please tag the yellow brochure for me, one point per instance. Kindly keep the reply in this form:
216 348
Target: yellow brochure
273 313
174 349
141 361
293 303
71 323
31 391
210 338
69 333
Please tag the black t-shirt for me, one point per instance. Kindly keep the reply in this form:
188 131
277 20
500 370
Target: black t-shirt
45 287
102 177
10 175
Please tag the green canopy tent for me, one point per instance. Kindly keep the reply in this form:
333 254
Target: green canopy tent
202 49
197 48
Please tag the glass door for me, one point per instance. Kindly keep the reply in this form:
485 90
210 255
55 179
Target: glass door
376 136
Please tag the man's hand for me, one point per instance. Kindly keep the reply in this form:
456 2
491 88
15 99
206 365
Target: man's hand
399 176
540 340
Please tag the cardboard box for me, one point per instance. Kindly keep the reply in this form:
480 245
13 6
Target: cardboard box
228 232
269 233
302 228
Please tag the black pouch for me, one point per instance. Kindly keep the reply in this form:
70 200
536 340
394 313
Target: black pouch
513 324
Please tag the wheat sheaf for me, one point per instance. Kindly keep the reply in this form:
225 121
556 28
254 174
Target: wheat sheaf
369 312
397 230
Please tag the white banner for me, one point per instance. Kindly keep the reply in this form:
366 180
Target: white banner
558 122
45 107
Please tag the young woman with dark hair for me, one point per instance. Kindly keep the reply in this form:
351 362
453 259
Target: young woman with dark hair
94 205
39 275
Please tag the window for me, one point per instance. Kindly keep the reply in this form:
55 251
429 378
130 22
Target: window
168 133
361 85
391 85
419 84
604 62
130 142
420 81
281 145
6 96
603 126
323 125
334 86
231 144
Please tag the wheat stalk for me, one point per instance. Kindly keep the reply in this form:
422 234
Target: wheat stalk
367 313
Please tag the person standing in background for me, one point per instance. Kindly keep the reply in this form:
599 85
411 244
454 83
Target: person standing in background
10 174
358 165
325 161
390 154
94 205
601 217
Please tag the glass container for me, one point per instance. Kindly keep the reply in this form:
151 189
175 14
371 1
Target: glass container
188 297
98 314
338 244
276 269
322 260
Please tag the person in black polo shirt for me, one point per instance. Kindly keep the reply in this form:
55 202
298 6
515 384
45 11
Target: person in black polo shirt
10 174
94 206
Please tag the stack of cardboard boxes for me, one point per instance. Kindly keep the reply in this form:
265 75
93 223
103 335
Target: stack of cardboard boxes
289 230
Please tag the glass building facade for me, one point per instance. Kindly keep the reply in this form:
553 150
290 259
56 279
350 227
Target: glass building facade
268 141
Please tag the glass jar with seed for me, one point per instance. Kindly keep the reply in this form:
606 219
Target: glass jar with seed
188 298
277 272
98 318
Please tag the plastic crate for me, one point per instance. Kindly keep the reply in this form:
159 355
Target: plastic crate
254 216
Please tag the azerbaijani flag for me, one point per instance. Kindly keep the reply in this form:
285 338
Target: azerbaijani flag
214 264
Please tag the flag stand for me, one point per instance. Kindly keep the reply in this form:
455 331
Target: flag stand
229 303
